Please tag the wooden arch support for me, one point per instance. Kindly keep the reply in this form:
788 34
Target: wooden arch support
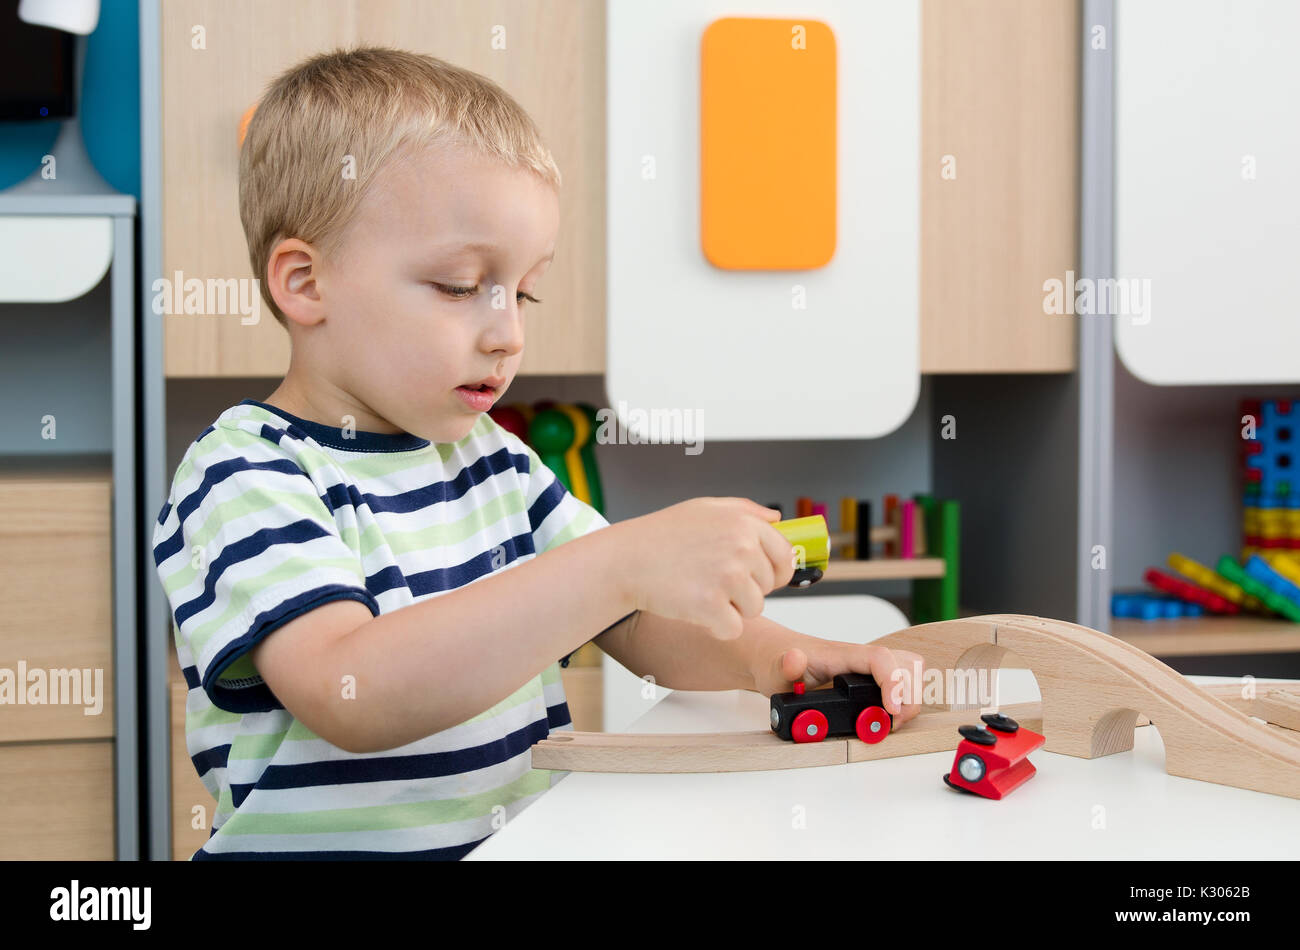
1095 687
1096 690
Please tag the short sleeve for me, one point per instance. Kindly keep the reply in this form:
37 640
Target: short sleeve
554 513
244 545
557 515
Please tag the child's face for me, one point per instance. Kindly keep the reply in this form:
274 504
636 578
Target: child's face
412 312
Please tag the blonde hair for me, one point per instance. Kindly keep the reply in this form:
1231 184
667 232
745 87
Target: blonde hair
366 104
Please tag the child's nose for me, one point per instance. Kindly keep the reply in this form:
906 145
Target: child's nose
507 332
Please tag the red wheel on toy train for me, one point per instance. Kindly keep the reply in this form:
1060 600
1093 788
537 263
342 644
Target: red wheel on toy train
809 726
873 724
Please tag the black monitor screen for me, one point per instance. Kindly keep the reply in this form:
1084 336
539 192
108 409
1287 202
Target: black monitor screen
36 68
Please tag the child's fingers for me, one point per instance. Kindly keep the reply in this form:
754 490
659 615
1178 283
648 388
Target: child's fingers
780 553
792 666
748 598
896 672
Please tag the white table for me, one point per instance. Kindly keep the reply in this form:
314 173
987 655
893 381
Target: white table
1120 806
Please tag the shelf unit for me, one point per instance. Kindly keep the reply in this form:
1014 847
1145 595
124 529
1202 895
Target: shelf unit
1209 636
884 568
98 536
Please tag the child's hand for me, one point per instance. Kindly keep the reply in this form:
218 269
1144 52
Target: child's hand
708 561
819 661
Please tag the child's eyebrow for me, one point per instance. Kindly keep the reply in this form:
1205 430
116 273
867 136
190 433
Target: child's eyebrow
483 247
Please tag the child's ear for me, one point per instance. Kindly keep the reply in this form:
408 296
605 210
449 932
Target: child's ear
292 274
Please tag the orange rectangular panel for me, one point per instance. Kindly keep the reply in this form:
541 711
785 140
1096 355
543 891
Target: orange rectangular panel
767 144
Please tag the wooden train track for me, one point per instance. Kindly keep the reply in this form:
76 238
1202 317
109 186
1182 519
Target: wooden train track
1095 691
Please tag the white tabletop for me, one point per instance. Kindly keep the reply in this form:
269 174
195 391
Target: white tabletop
1117 806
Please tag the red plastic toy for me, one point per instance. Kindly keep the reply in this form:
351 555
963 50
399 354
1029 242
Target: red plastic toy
992 760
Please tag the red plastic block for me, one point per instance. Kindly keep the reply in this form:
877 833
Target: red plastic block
1189 591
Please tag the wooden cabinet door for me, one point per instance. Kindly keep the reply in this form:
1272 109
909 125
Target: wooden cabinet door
553 62
999 183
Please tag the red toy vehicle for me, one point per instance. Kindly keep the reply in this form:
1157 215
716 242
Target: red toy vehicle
992 760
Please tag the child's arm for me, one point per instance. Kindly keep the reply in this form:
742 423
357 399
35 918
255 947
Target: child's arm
441 661
766 658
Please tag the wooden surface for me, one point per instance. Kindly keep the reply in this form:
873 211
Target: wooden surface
884 568
56 801
1209 636
584 692
1095 691
56 560
932 731
1095 687
999 88
554 65
1277 704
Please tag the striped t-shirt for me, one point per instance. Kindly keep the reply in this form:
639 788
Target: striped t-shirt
271 516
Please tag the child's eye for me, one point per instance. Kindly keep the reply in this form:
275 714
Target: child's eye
457 292
460 293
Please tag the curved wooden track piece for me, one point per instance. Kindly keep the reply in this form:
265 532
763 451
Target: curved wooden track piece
1095 687
1095 690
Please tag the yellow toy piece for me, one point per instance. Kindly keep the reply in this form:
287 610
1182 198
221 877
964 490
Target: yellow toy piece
811 540
1213 581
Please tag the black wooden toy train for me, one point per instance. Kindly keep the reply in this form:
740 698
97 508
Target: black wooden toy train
852 706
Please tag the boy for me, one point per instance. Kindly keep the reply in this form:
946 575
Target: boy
371 581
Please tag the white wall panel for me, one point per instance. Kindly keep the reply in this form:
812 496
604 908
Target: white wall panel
728 345
1202 88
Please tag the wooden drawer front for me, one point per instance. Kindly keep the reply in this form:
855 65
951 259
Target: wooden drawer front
56 561
56 801
188 791
584 692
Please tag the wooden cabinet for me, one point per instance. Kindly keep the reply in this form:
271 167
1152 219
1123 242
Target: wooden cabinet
999 111
553 63
56 753
999 95
56 801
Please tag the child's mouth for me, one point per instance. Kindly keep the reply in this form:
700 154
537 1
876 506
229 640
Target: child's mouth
478 396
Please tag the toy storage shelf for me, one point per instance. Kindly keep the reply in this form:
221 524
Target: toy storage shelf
1178 488
1209 636
879 569
69 779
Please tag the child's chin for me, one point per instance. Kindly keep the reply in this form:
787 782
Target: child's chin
454 430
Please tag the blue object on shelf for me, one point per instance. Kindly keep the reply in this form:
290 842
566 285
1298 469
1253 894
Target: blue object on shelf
1143 605
1263 572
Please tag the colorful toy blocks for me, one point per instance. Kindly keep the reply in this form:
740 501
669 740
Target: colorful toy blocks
1141 605
1230 569
1271 477
1189 592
